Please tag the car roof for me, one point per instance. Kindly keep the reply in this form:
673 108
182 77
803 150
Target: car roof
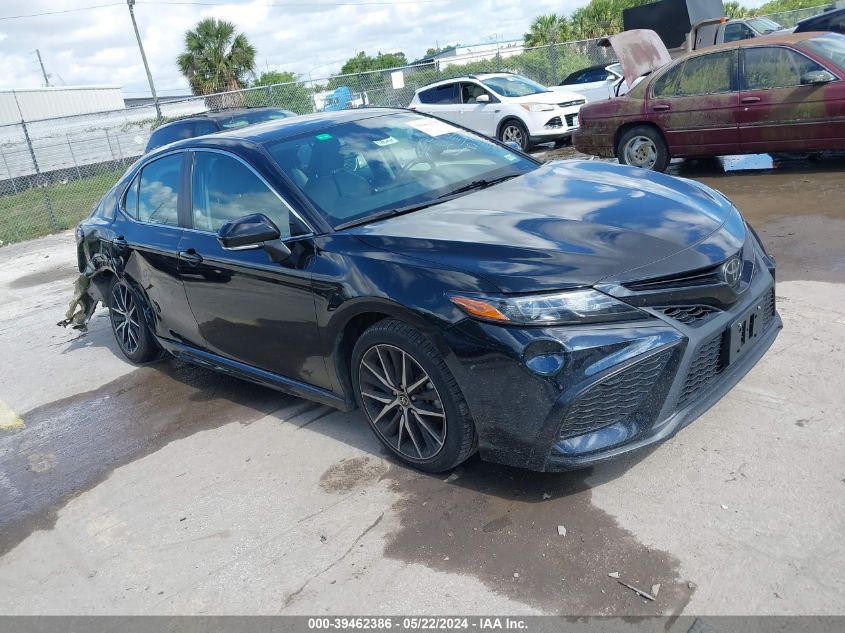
764 40
282 128
217 115
474 76
821 16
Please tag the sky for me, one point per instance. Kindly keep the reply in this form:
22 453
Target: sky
98 47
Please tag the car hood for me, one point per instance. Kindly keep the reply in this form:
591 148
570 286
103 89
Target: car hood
640 51
566 224
552 97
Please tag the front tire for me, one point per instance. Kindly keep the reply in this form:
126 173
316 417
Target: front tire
514 131
410 398
128 324
644 146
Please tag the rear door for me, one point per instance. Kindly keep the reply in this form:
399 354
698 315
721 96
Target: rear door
779 111
149 244
249 308
443 101
696 104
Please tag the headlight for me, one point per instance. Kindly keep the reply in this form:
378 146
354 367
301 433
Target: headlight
538 107
571 307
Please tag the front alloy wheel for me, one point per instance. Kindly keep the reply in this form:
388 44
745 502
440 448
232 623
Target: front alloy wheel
410 398
402 402
515 132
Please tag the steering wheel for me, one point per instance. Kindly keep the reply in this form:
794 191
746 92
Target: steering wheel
405 169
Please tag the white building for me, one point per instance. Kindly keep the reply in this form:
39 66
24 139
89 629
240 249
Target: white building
465 54
36 104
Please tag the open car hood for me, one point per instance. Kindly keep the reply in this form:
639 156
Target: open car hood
640 52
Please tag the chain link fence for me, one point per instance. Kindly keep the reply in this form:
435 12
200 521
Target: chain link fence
52 172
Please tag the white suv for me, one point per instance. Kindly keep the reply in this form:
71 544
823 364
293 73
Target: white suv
503 105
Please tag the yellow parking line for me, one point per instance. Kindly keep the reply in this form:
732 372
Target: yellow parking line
9 420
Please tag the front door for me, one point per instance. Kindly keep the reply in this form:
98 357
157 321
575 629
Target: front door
696 105
478 116
779 110
249 308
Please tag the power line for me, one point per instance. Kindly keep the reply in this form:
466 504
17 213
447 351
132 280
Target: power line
38 15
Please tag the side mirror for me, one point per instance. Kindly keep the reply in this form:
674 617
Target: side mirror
253 231
482 99
816 77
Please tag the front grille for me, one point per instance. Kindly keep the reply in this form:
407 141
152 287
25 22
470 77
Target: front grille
617 398
689 315
769 309
554 122
570 119
706 366
569 104
701 277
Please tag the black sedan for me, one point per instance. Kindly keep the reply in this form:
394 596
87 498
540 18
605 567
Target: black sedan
463 295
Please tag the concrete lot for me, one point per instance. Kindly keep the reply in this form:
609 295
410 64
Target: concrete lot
170 489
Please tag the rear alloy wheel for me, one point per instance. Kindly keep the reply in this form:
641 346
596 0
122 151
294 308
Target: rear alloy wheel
130 330
514 131
410 398
644 147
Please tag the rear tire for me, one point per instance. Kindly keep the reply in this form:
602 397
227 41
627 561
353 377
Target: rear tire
643 146
410 398
128 324
514 131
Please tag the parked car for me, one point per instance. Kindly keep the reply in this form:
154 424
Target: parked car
597 83
211 122
833 20
463 295
782 93
505 106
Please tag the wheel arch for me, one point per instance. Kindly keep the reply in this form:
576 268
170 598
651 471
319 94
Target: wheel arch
510 117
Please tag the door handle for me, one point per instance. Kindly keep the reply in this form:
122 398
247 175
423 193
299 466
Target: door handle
750 100
190 257
661 107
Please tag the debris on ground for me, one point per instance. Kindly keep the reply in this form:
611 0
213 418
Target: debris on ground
515 575
81 306
639 592
561 531
323 538
724 507
691 585
546 495
614 574
451 478
655 589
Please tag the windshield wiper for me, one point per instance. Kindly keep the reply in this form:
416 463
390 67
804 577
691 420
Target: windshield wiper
387 213
482 183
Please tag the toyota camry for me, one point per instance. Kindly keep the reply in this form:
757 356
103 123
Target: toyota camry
462 295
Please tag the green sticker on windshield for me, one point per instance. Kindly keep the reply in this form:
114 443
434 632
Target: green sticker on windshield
323 137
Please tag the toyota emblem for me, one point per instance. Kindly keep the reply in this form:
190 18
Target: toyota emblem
731 271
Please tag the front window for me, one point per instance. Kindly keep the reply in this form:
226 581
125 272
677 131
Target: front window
389 163
830 46
775 67
764 26
513 86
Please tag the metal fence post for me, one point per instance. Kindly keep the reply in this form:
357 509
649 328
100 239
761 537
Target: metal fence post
9 171
73 158
108 140
271 98
54 223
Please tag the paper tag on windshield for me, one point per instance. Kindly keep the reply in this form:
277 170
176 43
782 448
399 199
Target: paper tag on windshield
386 141
432 127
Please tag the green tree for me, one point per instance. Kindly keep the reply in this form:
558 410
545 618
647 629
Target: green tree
270 77
548 29
216 58
435 51
734 9
363 63
778 6
601 17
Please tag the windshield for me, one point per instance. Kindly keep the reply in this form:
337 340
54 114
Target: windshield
251 118
764 25
830 46
513 86
367 167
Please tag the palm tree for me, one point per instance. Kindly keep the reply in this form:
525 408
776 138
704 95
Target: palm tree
216 58
547 29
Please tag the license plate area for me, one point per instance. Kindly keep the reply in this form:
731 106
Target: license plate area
745 331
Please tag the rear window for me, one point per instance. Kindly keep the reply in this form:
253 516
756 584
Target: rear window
178 131
441 94
251 118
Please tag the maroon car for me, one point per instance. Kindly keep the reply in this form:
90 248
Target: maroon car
779 93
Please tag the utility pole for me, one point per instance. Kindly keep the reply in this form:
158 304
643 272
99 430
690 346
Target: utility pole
43 72
131 3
